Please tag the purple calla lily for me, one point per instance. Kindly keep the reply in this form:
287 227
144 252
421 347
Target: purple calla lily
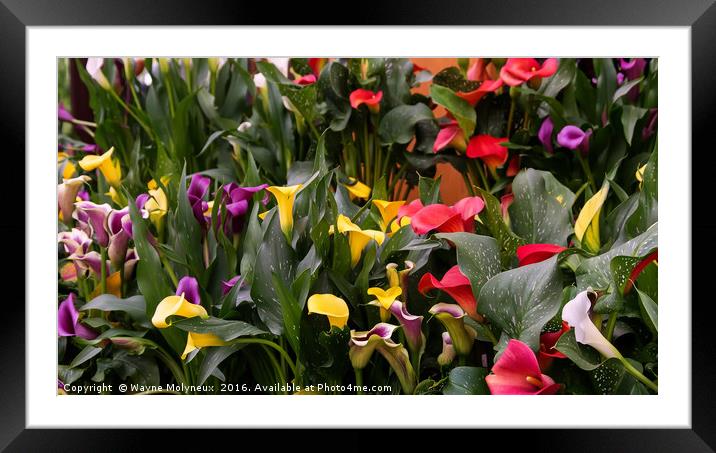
198 188
227 285
448 353
63 114
75 241
411 326
119 238
95 215
572 137
68 324
545 134
452 317
237 204
189 286
632 67
67 194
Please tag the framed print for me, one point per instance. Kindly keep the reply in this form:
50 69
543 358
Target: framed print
450 225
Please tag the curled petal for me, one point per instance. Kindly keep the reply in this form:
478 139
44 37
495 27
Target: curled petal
176 306
67 194
436 217
68 324
189 287
448 353
385 298
571 137
516 71
474 96
489 149
388 210
468 208
201 340
410 209
334 308
357 189
534 253
450 135
412 326
285 197
517 373
452 318
226 286
545 134
576 314
367 97
456 285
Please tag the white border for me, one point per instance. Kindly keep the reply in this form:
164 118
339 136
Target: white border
671 408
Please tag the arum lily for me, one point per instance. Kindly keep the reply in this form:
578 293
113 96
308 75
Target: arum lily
547 352
517 71
447 355
513 167
196 341
317 64
189 287
95 216
68 321
450 135
396 225
456 285
468 208
370 99
384 299
633 67
226 286
535 253
94 68
399 278
66 165
412 326
572 137
308 79
437 217
545 134
115 196
362 345
156 203
67 195
357 189
198 188
586 228
388 211
113 286
489 149
640 174
517 372
577 314
285 197
358 239
452 318
109 168
505 202
119 238
333 307
237 199
487 86
176 306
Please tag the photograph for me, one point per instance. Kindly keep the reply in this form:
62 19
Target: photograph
291 225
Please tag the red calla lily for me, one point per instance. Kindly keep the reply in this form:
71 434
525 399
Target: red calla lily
513 167
488 86
505 202
450 134
307 79
517 372
534 253
367 97
547 353
456 285
489 149
437 217
317 64
468 208
410 209
638 269
520 70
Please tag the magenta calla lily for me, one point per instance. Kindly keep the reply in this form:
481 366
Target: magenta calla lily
68 321
119 238
198 188
572 137
189 287
94 215
545 134
517 372
412 326
237 204
450 135
226 286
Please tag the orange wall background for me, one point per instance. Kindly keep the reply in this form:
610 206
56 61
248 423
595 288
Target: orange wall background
452 186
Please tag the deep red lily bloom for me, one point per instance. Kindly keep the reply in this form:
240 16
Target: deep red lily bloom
307 79
317 64
489 149
367 97
417 68
438 217
450 134
520 70
513 167
488 86
468 208
534 253
638 270
505 202
456 285
518 373
410 209
547 353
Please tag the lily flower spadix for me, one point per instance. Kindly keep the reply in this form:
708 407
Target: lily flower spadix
456 285
178 305
196 341
285 197
333 307
576 313
388 211
369 98
358 239
363 344
67 195
357 189
452 318
517 372
586 228
384 299
109 168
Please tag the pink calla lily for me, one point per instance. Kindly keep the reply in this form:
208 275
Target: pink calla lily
517 372
517 71
535 253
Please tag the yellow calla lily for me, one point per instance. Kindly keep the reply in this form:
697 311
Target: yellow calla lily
201 340
110 169
114 286
152 184
115 196
331 306
357 239
285 197
177 306
395 225
69 170
640 175
388 211
384 299
357 189
157 206
262 215
586 228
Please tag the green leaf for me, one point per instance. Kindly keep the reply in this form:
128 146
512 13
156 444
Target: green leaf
291 312
225 329
624 89
521 301
649 310
187 243
213 358
398 125
429 190
455 80
84 355
585 357
630 115
647 211
537 215
478 257
467 380
134 306
461 110
492 218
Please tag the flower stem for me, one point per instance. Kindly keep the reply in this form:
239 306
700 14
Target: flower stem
510 117
280 375
587 170
270 344
610 326
359 380
638 375
168 268
103 267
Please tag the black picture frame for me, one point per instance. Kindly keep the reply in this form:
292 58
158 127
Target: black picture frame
16 15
